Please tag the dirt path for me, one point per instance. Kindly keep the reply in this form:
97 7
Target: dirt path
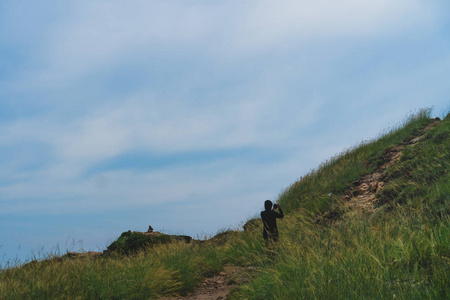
362 195
214 288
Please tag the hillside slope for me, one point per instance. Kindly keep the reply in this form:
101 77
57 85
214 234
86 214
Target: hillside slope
372 222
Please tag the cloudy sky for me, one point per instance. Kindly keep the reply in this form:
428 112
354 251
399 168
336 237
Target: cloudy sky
186 115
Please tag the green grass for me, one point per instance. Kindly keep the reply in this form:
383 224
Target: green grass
161 270
402 258
400 251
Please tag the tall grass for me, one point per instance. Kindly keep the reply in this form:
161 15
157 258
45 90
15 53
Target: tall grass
357 261
161 270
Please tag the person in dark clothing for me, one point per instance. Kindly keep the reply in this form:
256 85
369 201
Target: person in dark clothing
269 219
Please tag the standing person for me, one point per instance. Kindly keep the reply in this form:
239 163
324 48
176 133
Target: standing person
269 219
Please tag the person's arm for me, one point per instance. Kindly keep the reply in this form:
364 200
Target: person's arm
280 213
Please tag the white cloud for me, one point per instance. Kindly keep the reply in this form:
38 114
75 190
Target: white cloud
274 21
211 180
96 35
160 127
166 126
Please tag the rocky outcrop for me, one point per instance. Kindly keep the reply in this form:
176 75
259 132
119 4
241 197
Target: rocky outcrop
134 241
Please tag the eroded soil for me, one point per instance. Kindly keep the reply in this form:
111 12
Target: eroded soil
216 287
361 196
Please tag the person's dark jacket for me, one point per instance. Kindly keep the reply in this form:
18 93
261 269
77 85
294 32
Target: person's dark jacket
269 219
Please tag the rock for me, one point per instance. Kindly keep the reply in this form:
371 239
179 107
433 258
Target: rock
380 186
373 186
364 186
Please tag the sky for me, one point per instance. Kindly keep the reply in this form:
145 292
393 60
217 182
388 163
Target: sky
186 115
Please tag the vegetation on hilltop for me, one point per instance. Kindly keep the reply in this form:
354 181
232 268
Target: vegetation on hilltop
335 242
132 242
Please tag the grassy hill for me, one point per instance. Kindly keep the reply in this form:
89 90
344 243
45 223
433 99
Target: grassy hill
372 222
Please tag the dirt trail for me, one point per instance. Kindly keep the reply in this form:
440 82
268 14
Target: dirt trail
214 288
361 195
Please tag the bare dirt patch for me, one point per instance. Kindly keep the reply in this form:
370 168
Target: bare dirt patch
215 288
361 196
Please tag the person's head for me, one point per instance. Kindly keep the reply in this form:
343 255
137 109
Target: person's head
268 205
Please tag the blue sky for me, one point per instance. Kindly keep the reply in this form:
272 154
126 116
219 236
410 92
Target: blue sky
187 115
